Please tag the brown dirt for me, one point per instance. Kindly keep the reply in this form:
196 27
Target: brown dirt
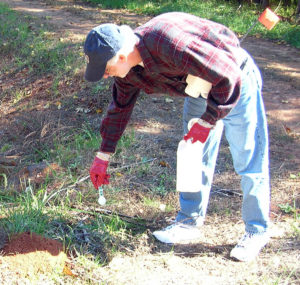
28 255
159 125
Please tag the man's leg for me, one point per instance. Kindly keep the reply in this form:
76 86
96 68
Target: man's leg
193 206
247 134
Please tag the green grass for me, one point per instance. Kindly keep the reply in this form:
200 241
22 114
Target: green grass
224 12
33 46
68 151
33 211
125 142
157 205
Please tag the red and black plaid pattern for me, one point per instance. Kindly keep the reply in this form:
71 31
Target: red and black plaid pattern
172 46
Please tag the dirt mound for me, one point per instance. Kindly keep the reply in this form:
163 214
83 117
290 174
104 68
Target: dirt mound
28 254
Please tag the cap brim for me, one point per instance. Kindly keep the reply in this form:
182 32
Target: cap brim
94 72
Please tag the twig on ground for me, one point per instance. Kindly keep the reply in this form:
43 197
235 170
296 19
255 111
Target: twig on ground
139 184
128 219
226 192
281 166
133 164
61 190
115 169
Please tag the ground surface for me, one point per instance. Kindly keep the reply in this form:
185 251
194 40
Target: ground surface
207 261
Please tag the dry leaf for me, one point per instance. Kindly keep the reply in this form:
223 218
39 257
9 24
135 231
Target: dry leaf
287 129
58 104
164 163
67 271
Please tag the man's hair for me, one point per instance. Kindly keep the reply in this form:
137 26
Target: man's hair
128 45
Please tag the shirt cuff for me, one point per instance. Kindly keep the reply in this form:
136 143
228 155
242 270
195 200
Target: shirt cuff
205 124
103 156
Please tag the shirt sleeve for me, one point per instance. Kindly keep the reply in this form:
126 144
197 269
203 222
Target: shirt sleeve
118 114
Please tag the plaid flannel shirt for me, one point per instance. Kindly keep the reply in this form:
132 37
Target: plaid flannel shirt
172 46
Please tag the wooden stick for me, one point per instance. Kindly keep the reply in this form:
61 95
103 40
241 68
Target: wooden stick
223 192
106 212
115 169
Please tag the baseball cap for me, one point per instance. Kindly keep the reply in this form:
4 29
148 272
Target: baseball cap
102 43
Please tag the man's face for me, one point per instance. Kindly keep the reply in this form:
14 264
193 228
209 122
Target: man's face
118 69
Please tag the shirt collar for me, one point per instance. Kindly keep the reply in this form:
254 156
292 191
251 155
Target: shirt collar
149 63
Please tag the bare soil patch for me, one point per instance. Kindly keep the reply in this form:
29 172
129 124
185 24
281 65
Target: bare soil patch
29 255
158 129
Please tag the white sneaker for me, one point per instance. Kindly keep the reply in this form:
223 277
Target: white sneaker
249 246
177 233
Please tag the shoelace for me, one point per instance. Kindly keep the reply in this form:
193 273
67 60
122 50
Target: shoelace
177 224
245 240
169 227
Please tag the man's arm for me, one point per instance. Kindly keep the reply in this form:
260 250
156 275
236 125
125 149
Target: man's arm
118 114
112 128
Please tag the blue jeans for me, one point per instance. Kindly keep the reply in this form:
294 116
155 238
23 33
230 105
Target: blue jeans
246 132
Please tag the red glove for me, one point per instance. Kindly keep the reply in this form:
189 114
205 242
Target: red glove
98 173
197 133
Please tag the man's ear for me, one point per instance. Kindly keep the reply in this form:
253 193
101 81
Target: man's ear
122 57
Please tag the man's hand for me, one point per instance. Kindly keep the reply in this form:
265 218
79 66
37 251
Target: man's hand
198 132
98 173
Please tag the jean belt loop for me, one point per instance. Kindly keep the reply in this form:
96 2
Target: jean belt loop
243 57
242 66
